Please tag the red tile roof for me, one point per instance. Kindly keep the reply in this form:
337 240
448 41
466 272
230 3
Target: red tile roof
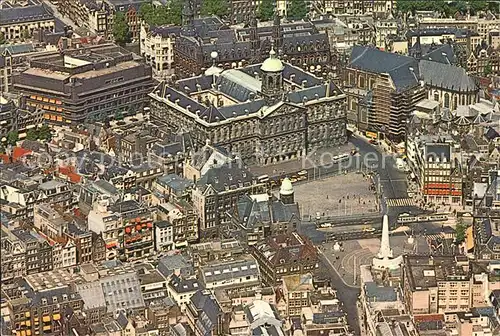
429 318
17 153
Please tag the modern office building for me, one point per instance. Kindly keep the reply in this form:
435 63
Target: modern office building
64 85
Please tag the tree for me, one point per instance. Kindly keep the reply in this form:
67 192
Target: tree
460 231
175 7
45 133
488 69
12 138
121 32
118 115
2 38
478 6
266 10
297 10
32 134
146 12
214 7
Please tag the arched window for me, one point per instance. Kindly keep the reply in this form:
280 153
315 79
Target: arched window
455 102
361 82
462 100
351 79
436 96
270 82
447 100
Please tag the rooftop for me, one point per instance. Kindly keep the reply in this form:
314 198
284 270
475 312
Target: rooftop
427 272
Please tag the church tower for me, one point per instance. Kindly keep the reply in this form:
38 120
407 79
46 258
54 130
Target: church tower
272 78
187 19
254 39
286 191
277 33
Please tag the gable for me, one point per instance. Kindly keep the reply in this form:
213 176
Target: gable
281 109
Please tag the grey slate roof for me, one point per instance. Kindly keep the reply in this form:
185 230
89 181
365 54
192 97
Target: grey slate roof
434 53
446 76
242 86
438 151
168 265
227 270
175 182
181 285
376 293
252 212
404 70
25 14
220 177
15 49
208 309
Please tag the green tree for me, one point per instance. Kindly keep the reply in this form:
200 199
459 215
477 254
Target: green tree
478 6
266 10
488 69
297 10
460 231
146 12
2 38
12 138
214 7
175 14
45 133
121 32
32 134
118 115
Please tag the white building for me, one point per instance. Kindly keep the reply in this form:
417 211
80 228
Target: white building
258 318
157 48
236 273
164 236
181 290
64 255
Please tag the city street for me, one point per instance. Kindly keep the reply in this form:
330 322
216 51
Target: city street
62 21
346 294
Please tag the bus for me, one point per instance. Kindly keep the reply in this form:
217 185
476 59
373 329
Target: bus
340 158
263 179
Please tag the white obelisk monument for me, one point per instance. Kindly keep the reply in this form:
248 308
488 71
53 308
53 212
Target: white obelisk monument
384 259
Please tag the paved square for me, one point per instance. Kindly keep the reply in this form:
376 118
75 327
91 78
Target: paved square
336 196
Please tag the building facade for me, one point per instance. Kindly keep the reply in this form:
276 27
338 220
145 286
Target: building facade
282 255
264 113
19 22
64 85
298 43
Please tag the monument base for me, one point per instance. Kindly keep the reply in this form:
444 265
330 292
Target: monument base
387 263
